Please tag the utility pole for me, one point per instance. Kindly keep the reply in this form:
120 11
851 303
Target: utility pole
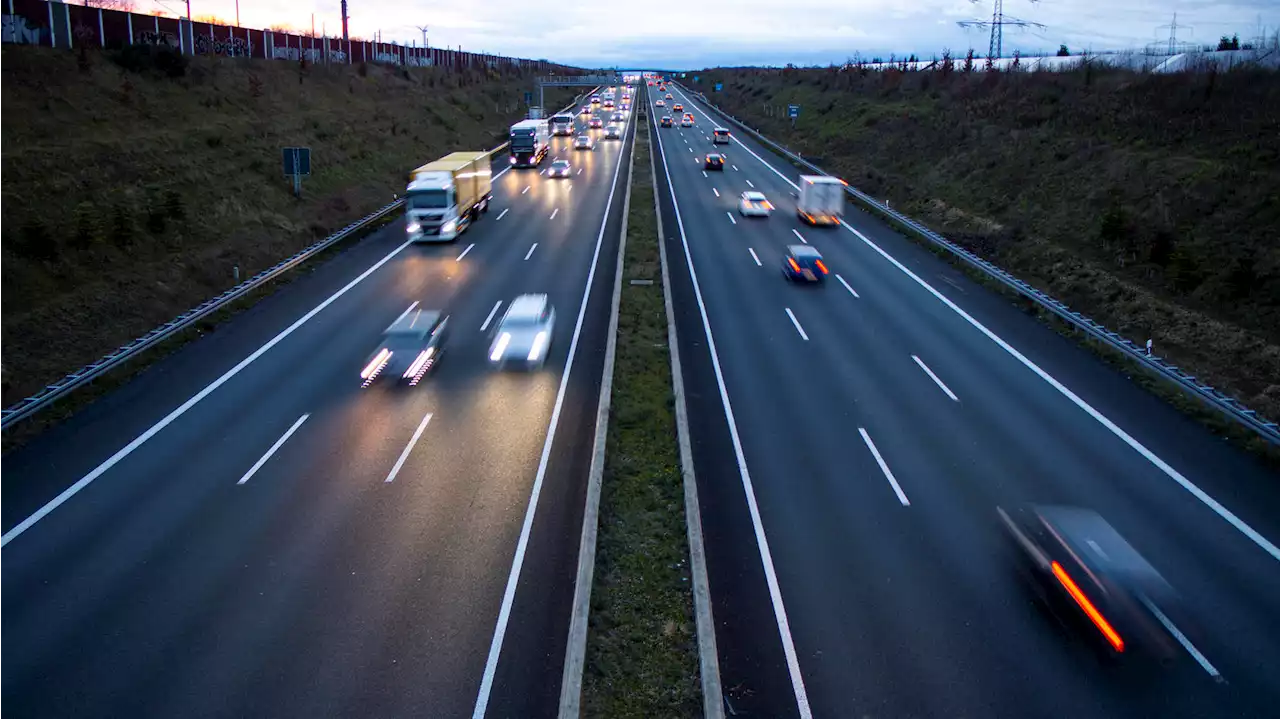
1174 45
423 28
237 13
345 37
997 24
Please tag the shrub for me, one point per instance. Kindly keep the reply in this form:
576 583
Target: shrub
145 57
122 228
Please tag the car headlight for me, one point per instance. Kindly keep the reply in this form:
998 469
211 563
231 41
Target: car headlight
500 347
513 160
449 226
539 345
412 228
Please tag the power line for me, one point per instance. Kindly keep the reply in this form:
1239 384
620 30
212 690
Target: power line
997 24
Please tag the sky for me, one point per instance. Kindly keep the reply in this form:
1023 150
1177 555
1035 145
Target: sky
694 34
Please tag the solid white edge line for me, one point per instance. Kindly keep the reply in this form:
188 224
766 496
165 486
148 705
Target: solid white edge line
730 215
502 214
1182 639
796 322
509 594
704 623
408 448
279 443
406 312
935 379
529 254
576 644
138 441
492 312
464 252
884 467
1213 504
762 542
847 287
753 256
554 213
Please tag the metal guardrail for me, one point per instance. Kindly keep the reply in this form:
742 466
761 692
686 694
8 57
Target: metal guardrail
1227 405
51 393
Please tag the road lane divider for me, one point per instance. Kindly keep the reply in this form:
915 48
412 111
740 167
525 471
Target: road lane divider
554 212
715 191
935 379
417 433
753 256
796 322
847 287
279 443
897 489
464 252
489 318
799 236
526 189
750 185
730 216
647 556
529 254
502 214
762 542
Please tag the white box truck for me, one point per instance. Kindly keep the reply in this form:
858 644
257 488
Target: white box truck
444 197
821 200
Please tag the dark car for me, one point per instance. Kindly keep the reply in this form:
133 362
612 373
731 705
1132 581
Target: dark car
1095 582
559 168
714 161
678 107
666 121
410 347
803 264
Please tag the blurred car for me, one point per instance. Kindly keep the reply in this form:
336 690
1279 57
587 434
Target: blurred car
666 121
754 204
720 136
583 142
596 123
669 97
595 99
613 132
586 110
713 161
559 168
1095 581
803 263
659 103
678 107
617 117
410 347
523 336
686 121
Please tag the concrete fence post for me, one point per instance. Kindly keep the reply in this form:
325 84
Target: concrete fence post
102 35
129 20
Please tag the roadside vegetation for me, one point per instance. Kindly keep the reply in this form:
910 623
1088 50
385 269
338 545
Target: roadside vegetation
137 181
641 655
1149 202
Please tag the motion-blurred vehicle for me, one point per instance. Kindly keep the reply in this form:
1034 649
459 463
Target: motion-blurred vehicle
559 168
523 336
613 132
562 124
617 117
410 347
803 263
1096 582
444 197
821 200
586 110
686 121
720 136
659 103
608 104
666 121
713 161
754 204
678 107
583 142
668 95
595 99
596 123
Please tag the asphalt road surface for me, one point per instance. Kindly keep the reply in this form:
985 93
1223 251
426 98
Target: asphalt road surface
852 442
243 531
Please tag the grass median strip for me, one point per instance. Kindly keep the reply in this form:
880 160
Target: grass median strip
642 655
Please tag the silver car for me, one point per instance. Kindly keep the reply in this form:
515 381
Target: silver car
410 348
523 336
613 132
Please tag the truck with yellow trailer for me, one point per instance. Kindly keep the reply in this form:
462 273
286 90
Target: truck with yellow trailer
444 197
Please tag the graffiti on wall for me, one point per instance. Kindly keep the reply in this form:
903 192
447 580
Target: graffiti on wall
18 30
417 61
151 37
226 46
313 55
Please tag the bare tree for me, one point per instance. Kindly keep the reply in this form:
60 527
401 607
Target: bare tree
122 5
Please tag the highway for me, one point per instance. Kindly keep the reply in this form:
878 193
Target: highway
853 440
242 530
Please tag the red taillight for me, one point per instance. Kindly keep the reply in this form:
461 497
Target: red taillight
821 266
794 266
1094 615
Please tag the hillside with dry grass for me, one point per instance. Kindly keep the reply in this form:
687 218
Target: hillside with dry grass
1150 202
133 184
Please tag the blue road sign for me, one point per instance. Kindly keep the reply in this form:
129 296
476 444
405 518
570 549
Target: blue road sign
719 86
296 160
793 111
695 78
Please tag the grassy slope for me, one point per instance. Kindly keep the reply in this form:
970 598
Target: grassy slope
642 658
129 197
1149 202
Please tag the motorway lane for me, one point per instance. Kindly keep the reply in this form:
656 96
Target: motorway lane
318 586
810 469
